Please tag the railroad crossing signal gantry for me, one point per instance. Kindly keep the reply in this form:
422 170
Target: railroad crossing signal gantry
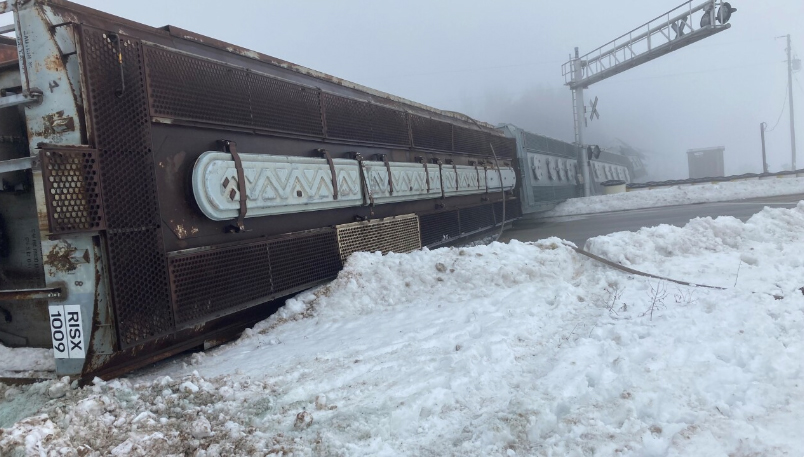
673 30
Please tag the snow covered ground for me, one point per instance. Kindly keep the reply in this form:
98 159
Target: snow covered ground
499 350
679 195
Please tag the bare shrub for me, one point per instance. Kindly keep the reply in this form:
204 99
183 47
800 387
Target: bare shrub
657 295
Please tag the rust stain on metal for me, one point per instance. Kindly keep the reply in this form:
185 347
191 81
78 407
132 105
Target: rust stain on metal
56 123
53 63
60 258
31 294
8 53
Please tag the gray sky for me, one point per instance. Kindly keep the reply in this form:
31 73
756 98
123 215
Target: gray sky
500 62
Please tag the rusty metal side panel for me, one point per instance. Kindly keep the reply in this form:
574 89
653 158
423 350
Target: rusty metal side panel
118 110
8 53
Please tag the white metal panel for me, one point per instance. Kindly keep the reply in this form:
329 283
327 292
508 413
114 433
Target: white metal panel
493 178
546 170
469 180
274 184
409 181
537 167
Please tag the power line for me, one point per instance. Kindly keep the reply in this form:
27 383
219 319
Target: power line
780 114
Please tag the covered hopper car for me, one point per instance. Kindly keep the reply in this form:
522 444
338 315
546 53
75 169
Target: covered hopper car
551 173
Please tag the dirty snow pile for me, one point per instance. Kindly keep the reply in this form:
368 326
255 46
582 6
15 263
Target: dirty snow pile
499 350
679 195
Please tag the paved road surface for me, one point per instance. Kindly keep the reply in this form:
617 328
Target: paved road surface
580 228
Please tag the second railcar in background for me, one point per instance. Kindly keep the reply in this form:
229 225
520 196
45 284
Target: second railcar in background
550 169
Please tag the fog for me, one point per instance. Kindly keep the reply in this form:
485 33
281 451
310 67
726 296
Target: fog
500 62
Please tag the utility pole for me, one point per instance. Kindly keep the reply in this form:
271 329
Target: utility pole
762 127
578 110
790 96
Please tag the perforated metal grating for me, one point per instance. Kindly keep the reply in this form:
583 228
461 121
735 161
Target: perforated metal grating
283 106
437 228
219 281
393 234
476 218
513 211
304 260
190 88
347 118
503 147
194 89
185 87
207 283
351 119
430 133
140 285
549 145
72 193
470 141
120 126
390 126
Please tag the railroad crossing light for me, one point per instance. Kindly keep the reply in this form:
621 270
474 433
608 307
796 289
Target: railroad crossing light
724 12
706 19
593 152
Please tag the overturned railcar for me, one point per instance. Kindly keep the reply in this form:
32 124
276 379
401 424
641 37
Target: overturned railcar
159 187
551 172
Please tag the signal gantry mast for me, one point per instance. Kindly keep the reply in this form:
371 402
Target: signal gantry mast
662 35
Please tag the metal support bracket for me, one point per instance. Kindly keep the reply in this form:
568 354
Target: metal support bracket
440 174
122 89
24 99
231 148
31 294
390 176
327 156
457 178
426 173
10 165
364 180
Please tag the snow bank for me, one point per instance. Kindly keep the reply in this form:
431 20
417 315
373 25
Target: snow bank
500 350
23 360
679 195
